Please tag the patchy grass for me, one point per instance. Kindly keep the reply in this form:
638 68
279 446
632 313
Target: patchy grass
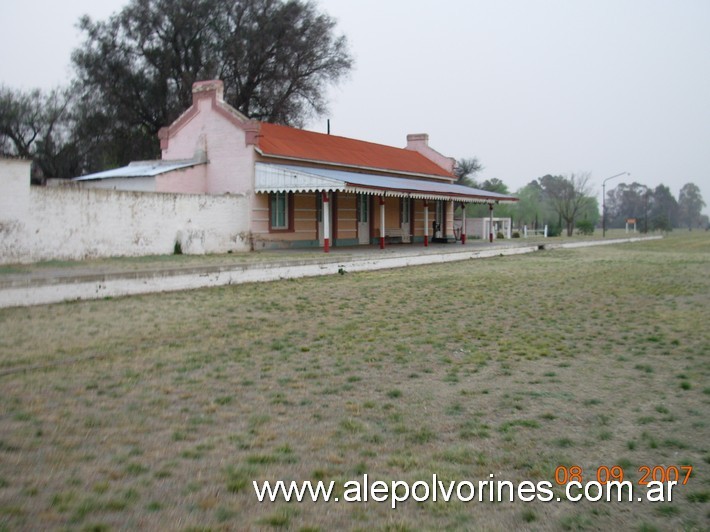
171 405
149 262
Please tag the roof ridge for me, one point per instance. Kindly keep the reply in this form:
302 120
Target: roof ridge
278 140
330 135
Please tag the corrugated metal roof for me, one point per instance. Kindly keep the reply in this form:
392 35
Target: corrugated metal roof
283 141
282 178
141 169
287 178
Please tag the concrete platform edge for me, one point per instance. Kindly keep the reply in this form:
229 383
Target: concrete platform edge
99 287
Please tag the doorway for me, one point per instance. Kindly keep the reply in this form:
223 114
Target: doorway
363 219
405 209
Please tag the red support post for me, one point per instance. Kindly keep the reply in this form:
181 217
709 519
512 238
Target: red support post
382 222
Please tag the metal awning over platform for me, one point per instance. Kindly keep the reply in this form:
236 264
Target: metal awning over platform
286 178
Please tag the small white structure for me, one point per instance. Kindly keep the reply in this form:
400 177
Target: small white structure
629 222
534 232
481 227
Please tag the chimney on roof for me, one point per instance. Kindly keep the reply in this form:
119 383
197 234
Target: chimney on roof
417 141
213 88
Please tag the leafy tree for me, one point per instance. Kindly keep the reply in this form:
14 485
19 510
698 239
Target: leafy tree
690 205
466 170
535 210
590 212
136 69
495 185
37 125
531 208
627 201
663 210
482 211
568 196
505 210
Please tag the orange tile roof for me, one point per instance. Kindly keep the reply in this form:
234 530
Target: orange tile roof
283 141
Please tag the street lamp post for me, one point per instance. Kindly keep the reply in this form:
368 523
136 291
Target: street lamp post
604 200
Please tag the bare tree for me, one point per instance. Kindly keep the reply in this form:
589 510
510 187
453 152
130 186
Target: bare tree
136 69
568 196
37 125
466 170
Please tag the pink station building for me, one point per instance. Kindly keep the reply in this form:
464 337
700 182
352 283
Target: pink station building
303 189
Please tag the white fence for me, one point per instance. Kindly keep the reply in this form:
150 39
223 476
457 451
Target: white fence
534 232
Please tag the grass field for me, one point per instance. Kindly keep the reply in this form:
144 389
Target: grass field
157 412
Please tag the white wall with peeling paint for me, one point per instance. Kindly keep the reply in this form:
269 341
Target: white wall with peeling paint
70 223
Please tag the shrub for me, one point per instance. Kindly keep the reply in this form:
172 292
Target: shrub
500 235
554 230
516 234
585 227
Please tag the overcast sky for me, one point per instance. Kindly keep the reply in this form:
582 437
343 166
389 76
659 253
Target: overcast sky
530 87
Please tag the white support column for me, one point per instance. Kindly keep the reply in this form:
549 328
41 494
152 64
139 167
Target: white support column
382 222
490 223
449 219
326 223
463 223
426 223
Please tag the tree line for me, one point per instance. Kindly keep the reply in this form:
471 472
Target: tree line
134 72
656 209
567 203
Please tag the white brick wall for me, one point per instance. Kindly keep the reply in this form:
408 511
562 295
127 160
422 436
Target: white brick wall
44 223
